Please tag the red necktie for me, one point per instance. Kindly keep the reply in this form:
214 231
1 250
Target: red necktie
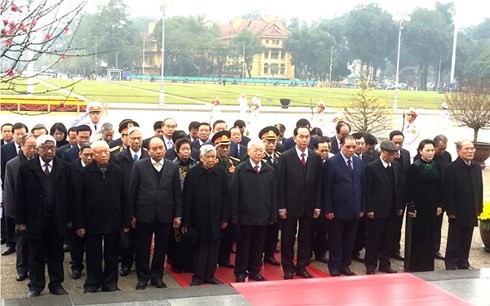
256 169
397 155
303 160
46 169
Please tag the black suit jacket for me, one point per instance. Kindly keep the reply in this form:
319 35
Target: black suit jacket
71 155
289 143
196 144
115 143
62 149
299 191
152 201
366 158
126 161
463 191
234 150
377 183
335 145
171 154
8 151
29 203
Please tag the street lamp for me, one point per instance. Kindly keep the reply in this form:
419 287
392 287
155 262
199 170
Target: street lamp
243 63
400 19
95 57
331 62
162 93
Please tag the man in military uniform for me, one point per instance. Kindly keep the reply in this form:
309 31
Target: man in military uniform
221 141
269 136
122 143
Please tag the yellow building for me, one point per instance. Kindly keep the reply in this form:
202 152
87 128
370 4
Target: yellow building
275 62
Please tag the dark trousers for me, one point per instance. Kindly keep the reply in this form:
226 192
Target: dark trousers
458 246
379 240
288 236
270 242
205 259
127 249
319 237
77 249
398 233
341 240
360 240
97 276
437 233
10 231
22 253
144 233
249 249
226 243
47 249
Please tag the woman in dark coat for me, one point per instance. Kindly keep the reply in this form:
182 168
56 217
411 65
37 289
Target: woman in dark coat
206 210
424 204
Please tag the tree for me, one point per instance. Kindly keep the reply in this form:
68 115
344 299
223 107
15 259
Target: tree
368 113
31 31
246 44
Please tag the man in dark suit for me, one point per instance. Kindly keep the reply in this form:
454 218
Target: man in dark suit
77 243
168 127
207 210
72 141
342 129
43 189
28 151
402 156
121 143
289 143
156 206
8 152
463 190
384 203
344 196
237 149
125 159
203 133
6 133
172 153
157 132
193 127
371 142
101 213
299 201
242 126
360 240
83 136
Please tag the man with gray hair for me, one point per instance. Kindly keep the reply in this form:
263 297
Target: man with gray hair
463 190
107 132
43 194
206 209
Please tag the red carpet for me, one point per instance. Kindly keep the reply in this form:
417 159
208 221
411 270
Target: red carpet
226 275
383 289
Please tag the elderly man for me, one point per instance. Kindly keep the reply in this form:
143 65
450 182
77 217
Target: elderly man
7 136
43 194
254 206
125 159
463 190
168 127
107 132
156 207
28 151
207 210
101 212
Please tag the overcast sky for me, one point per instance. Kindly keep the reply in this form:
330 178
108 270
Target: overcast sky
469 12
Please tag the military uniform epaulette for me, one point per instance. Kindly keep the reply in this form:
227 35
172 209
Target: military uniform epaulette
114 149
234 159
277 153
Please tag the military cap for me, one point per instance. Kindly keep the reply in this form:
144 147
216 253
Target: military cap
221 138
269 132
388 145
126 124
411 111
94 106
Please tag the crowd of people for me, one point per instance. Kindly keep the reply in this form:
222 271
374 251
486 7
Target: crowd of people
194 197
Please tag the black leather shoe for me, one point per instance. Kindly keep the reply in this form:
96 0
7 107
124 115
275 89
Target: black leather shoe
114 289
8 250
21 277
272 261
398 256
33 293
334 273
196 282
213 281
158 283
141 285
66 248
76 274
89 290
240 278
58 291
304 274
439 256
323 259
3 241
465 268
370 272
227 265
387 270
124 271
347 271
257 277
288 275
358 258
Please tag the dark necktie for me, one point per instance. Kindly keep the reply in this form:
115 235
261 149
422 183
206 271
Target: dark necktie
349 164
95 127
303 159
256 169
46 169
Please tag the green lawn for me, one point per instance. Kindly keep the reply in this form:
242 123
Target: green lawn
19 87
179 93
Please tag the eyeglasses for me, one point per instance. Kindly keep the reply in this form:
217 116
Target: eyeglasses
48 148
